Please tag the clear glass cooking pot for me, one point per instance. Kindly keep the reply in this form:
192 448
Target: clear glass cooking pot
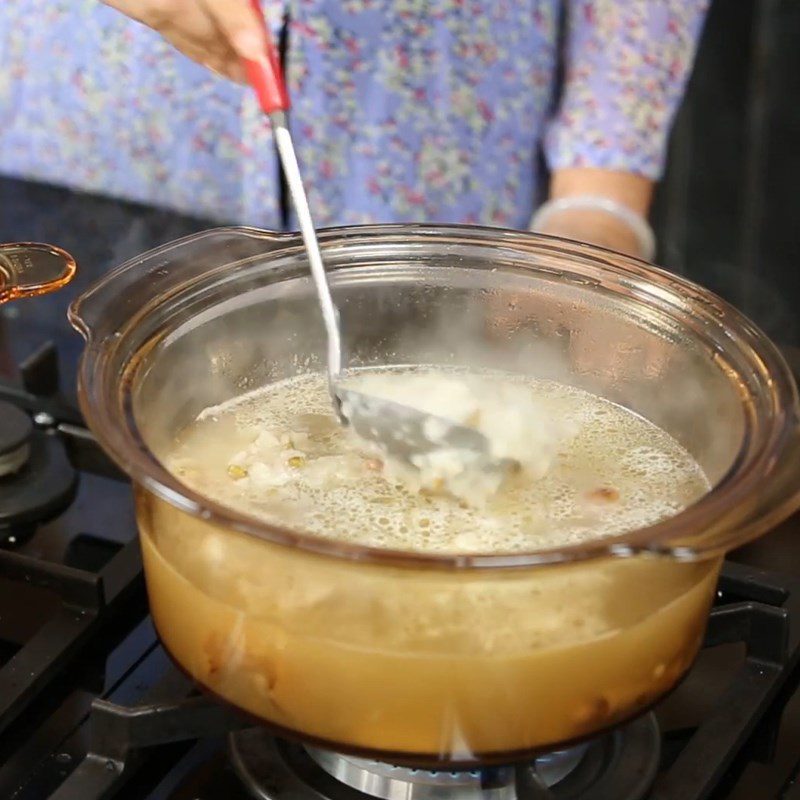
413 658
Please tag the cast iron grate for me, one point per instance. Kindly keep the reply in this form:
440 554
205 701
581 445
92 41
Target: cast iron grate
88 600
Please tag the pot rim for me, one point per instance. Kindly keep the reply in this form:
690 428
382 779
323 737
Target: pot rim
724 516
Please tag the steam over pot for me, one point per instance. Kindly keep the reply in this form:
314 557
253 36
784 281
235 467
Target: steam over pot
433 658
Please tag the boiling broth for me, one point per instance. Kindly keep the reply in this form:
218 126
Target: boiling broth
596 470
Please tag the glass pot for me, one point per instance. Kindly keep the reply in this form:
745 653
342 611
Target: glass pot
445 659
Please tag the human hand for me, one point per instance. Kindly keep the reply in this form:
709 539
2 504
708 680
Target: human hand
215 33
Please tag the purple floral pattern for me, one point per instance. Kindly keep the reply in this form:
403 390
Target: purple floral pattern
404 110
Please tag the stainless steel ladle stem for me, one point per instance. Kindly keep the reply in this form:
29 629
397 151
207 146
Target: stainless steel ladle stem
330 314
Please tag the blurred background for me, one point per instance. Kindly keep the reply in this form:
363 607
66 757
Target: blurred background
727 213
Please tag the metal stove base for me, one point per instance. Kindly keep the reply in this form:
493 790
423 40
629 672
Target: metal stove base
621 765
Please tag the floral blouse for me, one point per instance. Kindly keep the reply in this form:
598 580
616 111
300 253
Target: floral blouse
404 110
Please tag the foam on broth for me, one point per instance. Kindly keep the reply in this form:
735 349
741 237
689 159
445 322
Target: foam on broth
279 454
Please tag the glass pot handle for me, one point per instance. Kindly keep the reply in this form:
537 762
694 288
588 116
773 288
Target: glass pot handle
28 269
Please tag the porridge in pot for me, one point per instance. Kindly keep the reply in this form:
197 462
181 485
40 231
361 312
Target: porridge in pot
428 664
589 468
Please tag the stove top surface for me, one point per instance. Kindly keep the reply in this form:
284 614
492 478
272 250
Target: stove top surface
91 706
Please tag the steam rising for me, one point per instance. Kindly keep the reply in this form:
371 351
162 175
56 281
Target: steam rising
628 354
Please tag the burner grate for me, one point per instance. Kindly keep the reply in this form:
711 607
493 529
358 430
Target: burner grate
120 736
88 600
768 622
88 603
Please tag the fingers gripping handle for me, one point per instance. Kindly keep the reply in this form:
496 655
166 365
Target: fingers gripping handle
266 75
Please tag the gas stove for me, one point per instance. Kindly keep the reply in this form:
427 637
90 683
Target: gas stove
92 707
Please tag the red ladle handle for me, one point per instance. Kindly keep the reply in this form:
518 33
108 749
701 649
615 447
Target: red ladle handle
266 77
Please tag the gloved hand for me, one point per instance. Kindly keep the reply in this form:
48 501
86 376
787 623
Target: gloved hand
216 33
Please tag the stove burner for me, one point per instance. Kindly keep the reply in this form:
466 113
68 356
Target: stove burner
37 481
385 781
621 765
15 433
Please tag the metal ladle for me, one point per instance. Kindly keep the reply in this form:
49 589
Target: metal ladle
400 431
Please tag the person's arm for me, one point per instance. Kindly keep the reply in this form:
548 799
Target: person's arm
626 65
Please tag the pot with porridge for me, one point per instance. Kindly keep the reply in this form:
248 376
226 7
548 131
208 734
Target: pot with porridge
433 615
